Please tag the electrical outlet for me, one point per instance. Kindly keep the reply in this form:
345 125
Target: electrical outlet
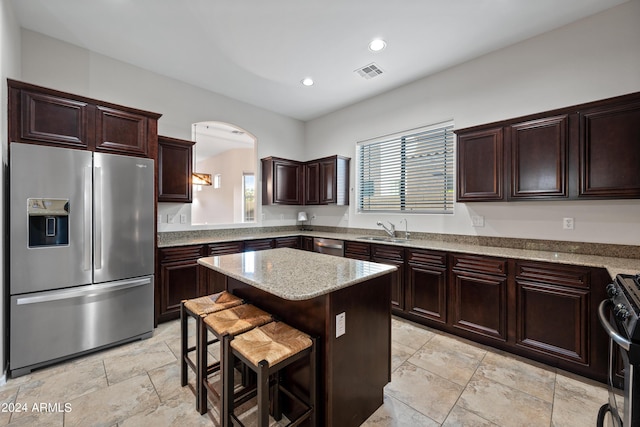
183 218
171 219
477 221
567 223
341 324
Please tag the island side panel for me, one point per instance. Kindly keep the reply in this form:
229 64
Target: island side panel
360 363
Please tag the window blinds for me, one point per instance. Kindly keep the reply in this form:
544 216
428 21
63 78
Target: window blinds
407 173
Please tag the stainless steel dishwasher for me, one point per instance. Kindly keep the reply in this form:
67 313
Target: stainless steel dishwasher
328 246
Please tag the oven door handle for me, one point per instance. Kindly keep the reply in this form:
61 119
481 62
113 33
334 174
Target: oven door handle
611 330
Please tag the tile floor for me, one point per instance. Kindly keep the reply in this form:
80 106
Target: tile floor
437 380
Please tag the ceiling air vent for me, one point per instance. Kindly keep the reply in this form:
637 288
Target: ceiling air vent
369 71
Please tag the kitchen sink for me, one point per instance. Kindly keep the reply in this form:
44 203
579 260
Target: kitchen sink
383 239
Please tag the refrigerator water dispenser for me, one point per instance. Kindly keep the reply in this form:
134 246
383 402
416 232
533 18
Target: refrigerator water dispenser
48 222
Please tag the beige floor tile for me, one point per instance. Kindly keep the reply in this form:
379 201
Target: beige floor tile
449 358
409 334
518 374
576 402
40 419
138 360
8 394
113 404
172 413
61 386
424 391
400 353
459 417
395 413
504 405
166 380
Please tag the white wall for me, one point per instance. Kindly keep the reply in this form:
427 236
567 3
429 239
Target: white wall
222 205
595 58
9 68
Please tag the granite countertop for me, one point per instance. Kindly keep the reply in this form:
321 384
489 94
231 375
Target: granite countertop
293 274
613 264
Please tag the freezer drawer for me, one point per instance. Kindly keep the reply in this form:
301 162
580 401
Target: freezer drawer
46 327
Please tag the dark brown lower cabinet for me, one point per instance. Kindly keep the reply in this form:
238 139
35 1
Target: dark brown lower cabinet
179 279
426 285
392 255
289 242
552 310
357 250
479 303
259 244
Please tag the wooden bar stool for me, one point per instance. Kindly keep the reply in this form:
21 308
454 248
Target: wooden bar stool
266 350
196 308
225 323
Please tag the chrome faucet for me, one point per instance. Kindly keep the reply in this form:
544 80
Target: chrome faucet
390 231
406 228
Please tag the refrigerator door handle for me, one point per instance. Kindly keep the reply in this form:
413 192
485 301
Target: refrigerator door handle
86 259
98 218
84 292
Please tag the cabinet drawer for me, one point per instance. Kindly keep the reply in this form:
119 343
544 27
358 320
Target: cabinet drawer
258 245
225 248
420 257
180 253
555 274
387 252
288 242
480 264
357 250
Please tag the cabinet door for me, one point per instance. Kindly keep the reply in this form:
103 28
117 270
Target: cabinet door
225 248
307 243
50 119
392 255
539 158
282 182
121 132
479 304
174 170
480 165
610 151
426 285
562 290
328 185
179 281
312 183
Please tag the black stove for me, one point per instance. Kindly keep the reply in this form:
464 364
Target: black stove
624 293
619 315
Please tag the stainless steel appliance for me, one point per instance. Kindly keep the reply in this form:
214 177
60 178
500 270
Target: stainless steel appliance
328 246
619 317
81 253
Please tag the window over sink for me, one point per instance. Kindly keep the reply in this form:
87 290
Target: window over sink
408 172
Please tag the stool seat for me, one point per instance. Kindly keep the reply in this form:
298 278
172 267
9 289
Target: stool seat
273 343
236 320
212 303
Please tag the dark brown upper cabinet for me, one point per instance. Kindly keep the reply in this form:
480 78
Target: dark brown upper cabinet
282 181
326 181
39 115
610 149
174 170
317 182
538 157
480 165
585 151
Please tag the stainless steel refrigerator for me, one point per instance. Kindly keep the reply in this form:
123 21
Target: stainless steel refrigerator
81 253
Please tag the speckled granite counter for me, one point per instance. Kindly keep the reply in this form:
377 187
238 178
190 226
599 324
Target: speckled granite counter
295 275
614 263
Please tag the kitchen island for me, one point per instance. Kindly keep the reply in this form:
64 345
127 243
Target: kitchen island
346 303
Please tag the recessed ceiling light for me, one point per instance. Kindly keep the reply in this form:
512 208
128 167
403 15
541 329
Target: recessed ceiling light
307 81
377 45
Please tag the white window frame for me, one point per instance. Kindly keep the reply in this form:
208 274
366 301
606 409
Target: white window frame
392 180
